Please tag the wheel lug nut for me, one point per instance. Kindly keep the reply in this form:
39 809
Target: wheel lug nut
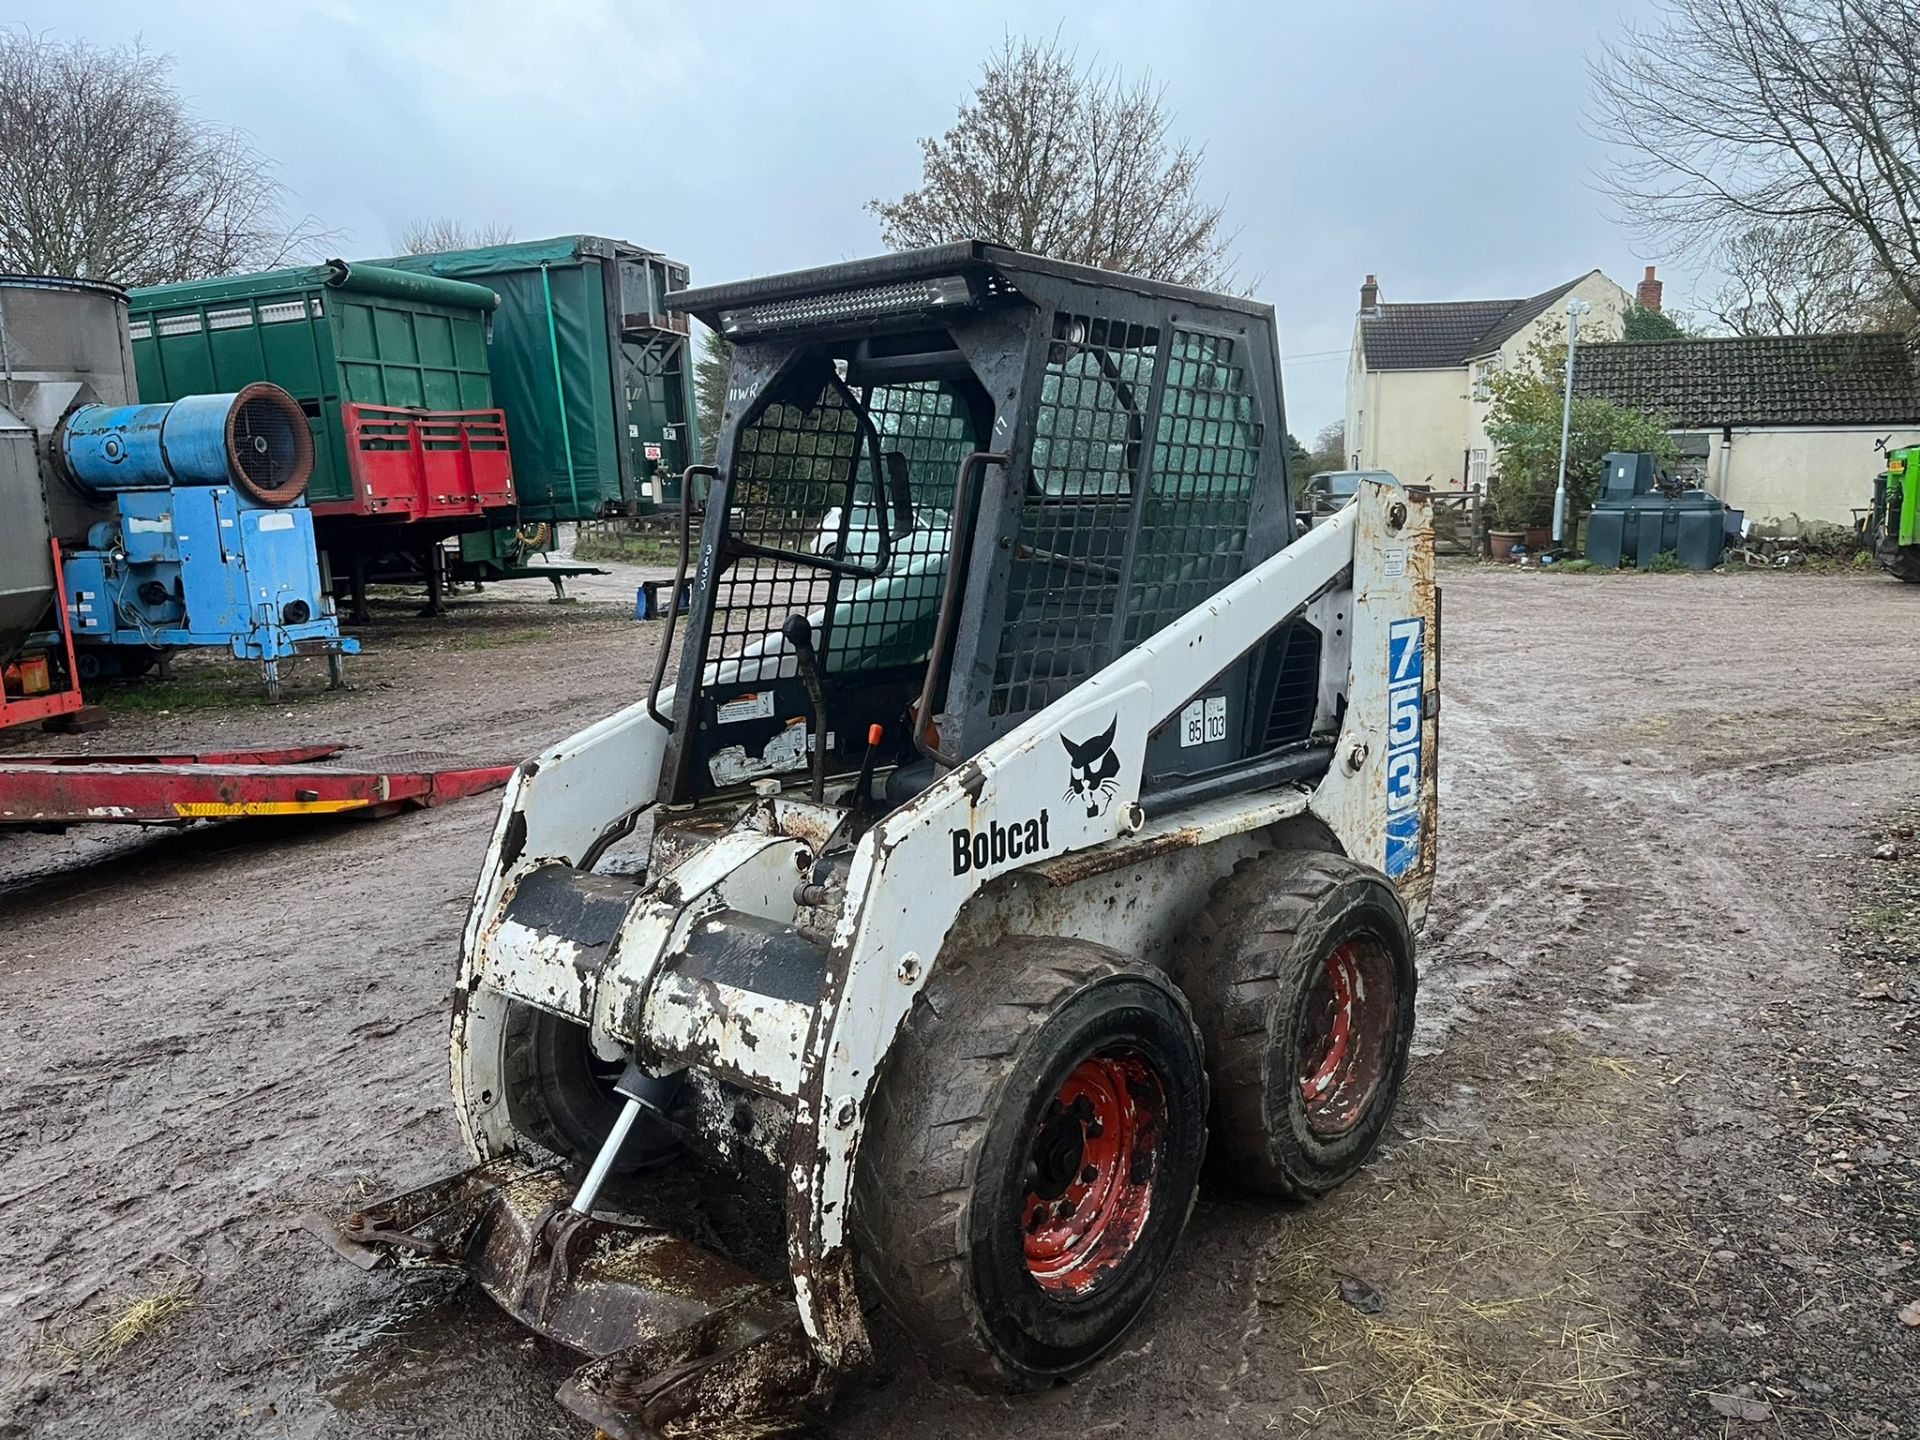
1095 1130
1090 1174
1066 1209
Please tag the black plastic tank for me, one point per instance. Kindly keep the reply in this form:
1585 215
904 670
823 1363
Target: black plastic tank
1643 514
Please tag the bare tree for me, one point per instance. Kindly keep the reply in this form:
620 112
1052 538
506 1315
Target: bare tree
1070 163
106 174
1727 114
430 237
711 372
1796 279
1329 448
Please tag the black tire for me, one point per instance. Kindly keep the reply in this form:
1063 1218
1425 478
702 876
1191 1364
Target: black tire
945 1205
560 1094
1261 973
113 662
133 661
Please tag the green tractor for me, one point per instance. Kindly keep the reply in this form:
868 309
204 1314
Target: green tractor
1893 526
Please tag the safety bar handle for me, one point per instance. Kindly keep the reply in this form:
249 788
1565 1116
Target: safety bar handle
882 501
712 473
949 602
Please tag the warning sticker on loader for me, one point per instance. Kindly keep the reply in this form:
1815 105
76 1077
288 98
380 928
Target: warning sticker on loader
754 705
1406 664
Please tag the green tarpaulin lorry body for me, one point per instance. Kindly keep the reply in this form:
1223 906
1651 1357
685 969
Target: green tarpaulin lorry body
584 317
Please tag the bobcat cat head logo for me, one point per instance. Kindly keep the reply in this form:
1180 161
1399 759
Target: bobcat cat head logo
1093 775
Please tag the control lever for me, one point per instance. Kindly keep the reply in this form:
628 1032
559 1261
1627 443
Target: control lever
899 491
863 791
798 633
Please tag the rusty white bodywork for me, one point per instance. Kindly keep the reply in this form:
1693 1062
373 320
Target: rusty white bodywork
1101 869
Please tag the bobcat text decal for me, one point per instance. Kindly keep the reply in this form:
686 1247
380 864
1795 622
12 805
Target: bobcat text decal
1093 779
997 844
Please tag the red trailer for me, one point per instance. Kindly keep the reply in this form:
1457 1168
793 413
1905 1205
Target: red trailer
56 790
412 465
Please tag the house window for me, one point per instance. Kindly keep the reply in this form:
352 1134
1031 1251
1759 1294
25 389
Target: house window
1477 470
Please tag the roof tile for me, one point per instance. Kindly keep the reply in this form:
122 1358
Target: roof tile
1758 380
1445 334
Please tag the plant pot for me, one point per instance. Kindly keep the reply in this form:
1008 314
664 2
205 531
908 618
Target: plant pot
1539 537
1502 542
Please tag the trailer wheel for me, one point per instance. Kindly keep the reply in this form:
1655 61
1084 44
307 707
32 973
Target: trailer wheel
113 662
1300 970
559 1094
135 660
1032 1155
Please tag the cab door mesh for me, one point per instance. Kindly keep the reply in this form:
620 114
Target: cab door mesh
794 467
1206 456
1066 578
889 621
1097 567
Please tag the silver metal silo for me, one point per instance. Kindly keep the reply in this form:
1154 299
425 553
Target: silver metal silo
62 343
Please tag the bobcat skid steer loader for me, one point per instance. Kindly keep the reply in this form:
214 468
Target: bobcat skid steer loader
1032 808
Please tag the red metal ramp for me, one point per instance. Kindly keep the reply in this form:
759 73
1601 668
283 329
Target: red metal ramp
228 784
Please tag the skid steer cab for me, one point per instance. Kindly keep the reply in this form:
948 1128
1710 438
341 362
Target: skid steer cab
1022 807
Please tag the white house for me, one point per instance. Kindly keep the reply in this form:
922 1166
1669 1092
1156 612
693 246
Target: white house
1779 426
1416 379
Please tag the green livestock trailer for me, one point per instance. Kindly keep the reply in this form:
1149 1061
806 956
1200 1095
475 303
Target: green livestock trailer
592 369
330 335
393 371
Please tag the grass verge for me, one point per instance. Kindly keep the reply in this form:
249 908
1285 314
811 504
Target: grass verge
1492 1264
635 549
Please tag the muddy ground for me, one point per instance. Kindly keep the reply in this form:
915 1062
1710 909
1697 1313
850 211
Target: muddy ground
1654 1175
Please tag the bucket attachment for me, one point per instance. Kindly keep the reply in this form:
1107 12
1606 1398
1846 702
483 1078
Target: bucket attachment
681 1341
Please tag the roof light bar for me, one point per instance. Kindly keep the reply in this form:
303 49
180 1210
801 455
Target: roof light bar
940 292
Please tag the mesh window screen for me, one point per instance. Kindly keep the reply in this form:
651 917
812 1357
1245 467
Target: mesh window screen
1065 580
793 474
1206 453
889 620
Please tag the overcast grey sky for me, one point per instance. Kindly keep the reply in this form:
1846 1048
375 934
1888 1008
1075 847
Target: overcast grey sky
1439 145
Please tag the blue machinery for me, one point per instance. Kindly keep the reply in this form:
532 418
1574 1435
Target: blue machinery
208 542
179 524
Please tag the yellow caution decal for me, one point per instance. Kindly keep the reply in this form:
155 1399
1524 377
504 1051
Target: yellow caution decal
214 809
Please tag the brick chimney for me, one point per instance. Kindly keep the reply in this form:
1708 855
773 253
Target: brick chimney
1370 295
1648 291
